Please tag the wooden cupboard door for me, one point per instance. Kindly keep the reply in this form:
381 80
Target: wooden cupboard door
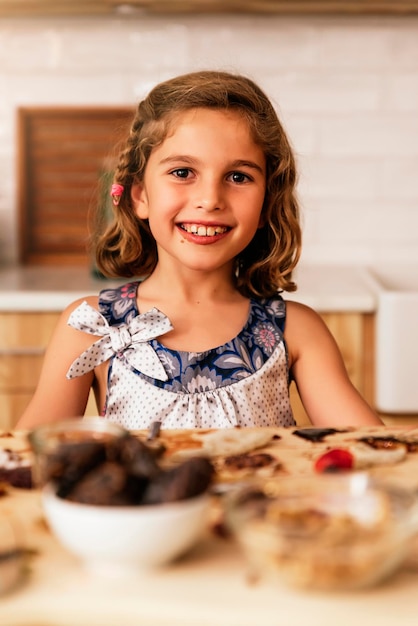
299 412
22 333
91 409
23 340
65 158
19 372
12 406
348 331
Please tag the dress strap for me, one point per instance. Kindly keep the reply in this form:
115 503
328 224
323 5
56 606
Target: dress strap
275 308
118 305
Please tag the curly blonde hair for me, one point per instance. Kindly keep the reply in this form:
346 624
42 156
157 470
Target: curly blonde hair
127 248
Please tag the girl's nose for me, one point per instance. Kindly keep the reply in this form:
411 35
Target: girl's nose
208 196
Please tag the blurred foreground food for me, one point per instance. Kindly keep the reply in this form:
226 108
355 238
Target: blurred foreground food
123 471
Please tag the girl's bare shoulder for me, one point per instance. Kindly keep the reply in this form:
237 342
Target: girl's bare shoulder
297 313
305 329
62 325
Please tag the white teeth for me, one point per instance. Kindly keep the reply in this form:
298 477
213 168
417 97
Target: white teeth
204 231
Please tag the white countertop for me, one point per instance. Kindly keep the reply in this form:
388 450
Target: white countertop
325 288
37 289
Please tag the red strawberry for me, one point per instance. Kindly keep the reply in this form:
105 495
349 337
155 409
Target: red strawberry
336 460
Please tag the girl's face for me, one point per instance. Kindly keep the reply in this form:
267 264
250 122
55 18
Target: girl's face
203 190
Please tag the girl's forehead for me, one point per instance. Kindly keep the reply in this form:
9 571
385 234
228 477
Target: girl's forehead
203 115
228 127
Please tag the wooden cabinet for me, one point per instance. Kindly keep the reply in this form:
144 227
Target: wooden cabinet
57 146
23 340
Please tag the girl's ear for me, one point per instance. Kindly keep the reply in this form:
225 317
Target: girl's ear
139 200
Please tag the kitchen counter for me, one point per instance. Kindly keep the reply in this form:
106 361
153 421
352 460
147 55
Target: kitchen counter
325 288
49 289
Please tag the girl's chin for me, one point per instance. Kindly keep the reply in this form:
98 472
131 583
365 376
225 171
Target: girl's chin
206 266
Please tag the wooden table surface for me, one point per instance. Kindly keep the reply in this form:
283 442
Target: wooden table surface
208 587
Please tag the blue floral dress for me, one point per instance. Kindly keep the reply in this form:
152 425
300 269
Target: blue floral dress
244 382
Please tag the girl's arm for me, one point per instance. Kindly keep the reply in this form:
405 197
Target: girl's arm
57 398
326 392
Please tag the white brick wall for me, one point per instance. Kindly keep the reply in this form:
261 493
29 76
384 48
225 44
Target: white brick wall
346 89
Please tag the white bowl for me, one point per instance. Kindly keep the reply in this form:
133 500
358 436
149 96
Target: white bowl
119 540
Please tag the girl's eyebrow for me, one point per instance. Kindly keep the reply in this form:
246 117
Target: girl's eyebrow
250 164
185 158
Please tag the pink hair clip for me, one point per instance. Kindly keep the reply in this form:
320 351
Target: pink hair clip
116 191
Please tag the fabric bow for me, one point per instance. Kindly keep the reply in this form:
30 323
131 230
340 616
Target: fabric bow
131 339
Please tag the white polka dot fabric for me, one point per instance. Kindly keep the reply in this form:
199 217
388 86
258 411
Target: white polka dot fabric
131 339
261 399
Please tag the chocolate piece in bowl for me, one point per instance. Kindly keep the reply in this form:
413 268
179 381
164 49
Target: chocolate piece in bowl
187 480
138 459
121 472
73 447
107 484
71 461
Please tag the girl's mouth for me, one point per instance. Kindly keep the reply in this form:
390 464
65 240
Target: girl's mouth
204 231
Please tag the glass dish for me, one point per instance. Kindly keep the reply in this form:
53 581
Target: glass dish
48 439
323 532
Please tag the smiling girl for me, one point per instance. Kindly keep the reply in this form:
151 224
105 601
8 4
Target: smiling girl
205 213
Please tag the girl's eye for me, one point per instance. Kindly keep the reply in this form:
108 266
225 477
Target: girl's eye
239 177
181 172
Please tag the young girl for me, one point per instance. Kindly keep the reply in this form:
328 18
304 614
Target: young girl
205 213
